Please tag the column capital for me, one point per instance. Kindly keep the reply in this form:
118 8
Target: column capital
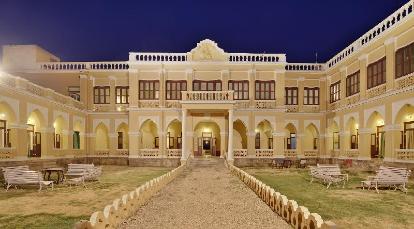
390 40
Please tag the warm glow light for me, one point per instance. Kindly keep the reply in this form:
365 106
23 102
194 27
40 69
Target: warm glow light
206 129
2 116
54 125
256 130
356 126
119 108
380 122
409 117
29 121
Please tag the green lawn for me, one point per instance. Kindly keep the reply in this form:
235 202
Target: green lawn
348 207
62 207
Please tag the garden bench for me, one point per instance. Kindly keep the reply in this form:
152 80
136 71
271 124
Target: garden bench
88 171
328 174
388 177
14 177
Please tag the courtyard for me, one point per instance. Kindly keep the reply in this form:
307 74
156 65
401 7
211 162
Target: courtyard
64 206
348 207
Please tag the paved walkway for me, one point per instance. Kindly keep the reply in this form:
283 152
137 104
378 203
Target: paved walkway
205 195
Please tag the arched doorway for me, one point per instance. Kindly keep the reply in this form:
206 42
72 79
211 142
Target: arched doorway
123 140
264 138
207 139
102 137
7 116
377 140
311 139
239 135
174 135
149 135
405 119
35 122
352 139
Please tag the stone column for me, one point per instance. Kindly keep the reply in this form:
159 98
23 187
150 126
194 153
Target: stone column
252 79
342 86
162 88
364 144
83 88
184 153
230 146
134 134
392 141
90 98
363 75
279 76
133 88
390 62
112 96
18 138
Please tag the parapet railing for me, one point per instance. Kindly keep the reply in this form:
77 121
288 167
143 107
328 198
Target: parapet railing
183 57
34 89
387 24
207 96
78 66
249 57
305 67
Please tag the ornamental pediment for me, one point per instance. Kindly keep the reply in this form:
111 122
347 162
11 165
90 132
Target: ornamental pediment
207 50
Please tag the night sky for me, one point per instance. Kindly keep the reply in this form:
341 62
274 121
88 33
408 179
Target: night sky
108 30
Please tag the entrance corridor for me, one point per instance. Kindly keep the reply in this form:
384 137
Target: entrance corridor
205 195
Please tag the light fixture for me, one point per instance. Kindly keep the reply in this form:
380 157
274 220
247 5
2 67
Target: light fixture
54 125
380 122
356 126
119 108
256 130
409 117
2 116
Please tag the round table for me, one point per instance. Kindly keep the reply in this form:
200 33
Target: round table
59 171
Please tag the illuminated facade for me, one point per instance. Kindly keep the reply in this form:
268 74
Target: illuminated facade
165 107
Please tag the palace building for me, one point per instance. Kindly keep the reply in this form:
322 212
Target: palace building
162 108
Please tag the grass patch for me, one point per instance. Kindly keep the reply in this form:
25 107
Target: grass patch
62 207
348 207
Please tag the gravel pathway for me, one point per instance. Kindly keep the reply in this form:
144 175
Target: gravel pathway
205 195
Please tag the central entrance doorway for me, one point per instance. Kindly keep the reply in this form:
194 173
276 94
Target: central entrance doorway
207 139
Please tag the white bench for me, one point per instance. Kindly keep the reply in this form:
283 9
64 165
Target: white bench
88 171
389 177
328 174
14 177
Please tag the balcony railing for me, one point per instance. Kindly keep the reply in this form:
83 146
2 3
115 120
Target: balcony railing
208 96
173 152
290 153
350 153
7 153
264 152
265 104
240 152
36 90
404 154
311 153
149 152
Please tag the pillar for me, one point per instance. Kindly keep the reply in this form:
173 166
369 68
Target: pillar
390 62
230 146
363 75
184 153
280 87
18 138
83 88
252 82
